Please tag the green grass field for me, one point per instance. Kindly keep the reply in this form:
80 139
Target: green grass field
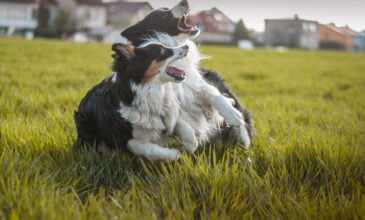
308 155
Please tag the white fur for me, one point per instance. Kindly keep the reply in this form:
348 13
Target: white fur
114 77
194 110
204 108
155 111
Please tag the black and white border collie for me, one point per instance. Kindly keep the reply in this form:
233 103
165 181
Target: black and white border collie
136 107
207 104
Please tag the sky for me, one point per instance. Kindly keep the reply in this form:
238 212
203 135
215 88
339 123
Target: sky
253 12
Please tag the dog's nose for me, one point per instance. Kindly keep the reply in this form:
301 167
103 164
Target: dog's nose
185 47
184 3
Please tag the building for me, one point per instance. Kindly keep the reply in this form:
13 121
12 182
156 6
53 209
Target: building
90 14
357 39
215 26
291 32
123 14
333 37
19 17
341 38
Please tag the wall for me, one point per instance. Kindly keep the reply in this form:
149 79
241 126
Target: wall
328 34
16 15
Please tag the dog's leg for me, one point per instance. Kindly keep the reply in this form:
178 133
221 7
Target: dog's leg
152 151
241 135
187 135
244 136
224 106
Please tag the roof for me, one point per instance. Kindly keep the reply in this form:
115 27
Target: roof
294 18
346 30
125 7
208 19
89 2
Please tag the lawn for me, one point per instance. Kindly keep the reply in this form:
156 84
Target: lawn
308 155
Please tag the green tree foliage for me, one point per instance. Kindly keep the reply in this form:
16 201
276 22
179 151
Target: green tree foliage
43 28
43 14
65 22
240 32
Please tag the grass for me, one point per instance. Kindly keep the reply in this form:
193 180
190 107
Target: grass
308 155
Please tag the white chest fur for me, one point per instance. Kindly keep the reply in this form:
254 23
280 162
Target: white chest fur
154 109
196 110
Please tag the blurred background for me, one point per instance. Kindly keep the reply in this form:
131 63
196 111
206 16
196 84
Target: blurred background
281 24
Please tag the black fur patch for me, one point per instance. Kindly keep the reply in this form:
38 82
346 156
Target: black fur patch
160 20
97 118
214 79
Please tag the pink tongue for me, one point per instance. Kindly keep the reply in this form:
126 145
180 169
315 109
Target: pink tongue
175 71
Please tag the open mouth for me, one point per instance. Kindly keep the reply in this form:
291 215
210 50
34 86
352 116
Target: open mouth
176 73
184 27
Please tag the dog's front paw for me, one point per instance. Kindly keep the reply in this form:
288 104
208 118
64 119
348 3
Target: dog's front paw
191 145
172 155
229 100
245 138
235 118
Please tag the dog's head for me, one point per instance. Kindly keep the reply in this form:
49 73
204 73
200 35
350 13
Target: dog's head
170 21
148 62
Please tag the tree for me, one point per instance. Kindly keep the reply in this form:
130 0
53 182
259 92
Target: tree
240 32
43 28
65 22
43 14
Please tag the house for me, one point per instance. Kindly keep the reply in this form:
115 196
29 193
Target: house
19 17
341 38
358 39
90 14
291 32
123 14
333 37
215 26
87 17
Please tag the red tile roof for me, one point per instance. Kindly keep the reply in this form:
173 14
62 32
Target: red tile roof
346 30
209 19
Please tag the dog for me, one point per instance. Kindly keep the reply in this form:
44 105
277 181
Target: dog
136 107
208 105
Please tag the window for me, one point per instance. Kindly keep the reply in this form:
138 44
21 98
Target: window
16 13
305 26
34 14
312 27
87 13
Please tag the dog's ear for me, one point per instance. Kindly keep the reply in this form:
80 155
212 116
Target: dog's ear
132 32
123 51
136 34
